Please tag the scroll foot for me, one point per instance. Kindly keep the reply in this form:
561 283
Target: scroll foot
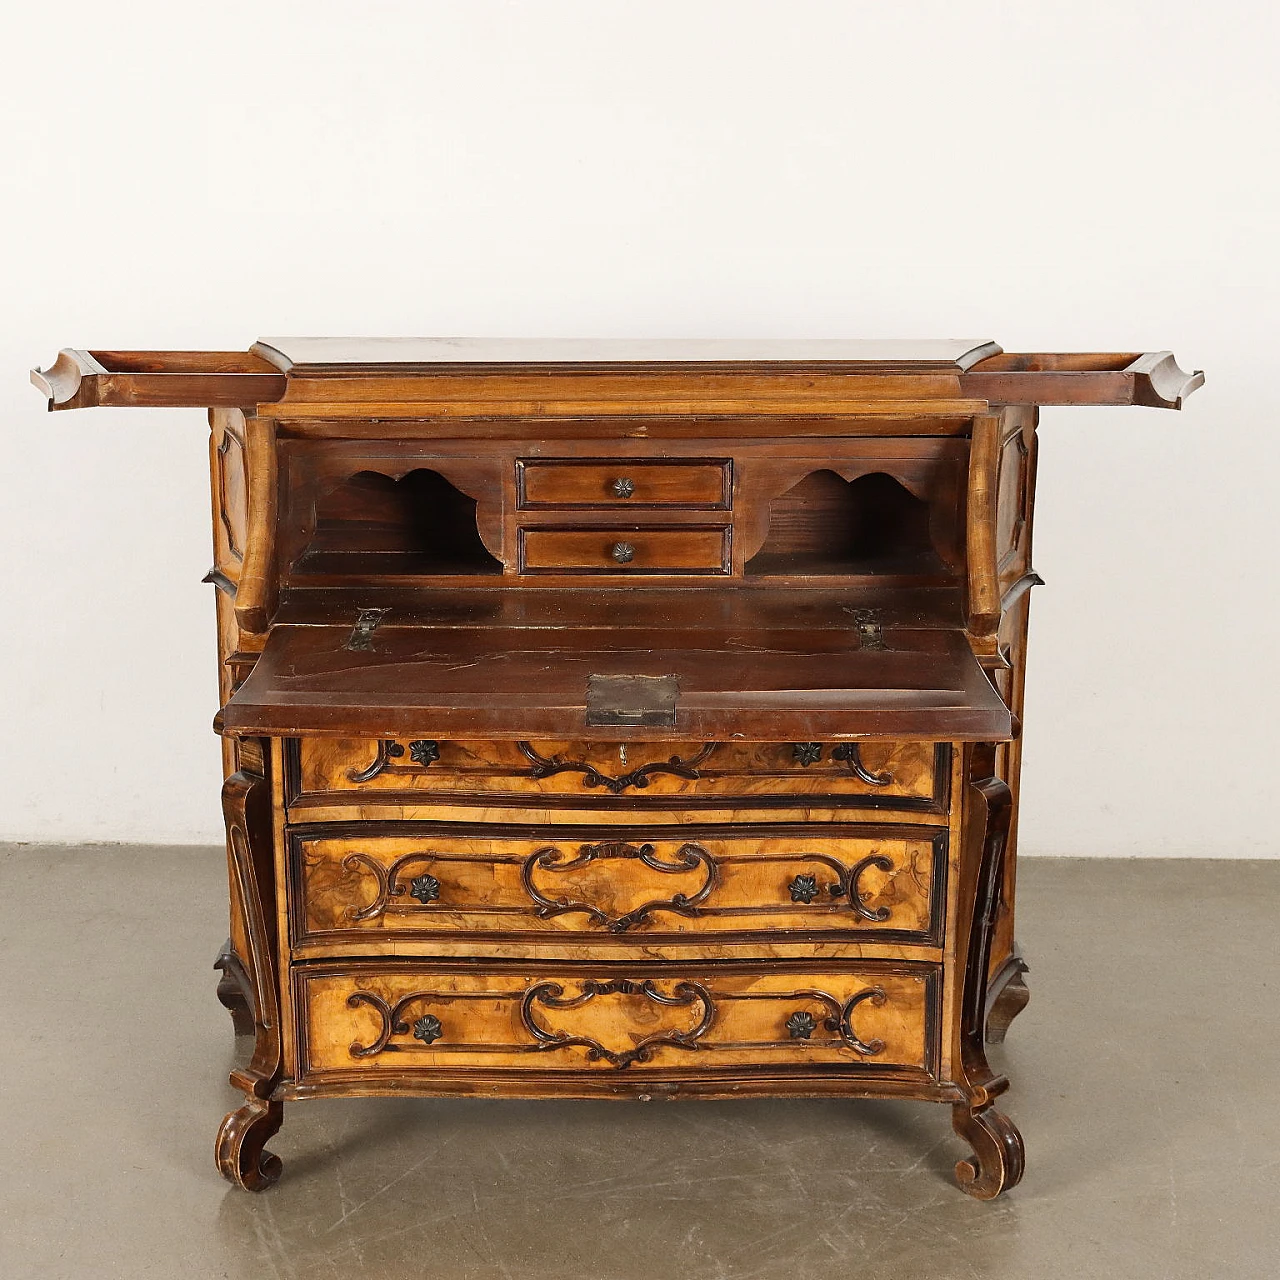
1008 997
240 1148
998 1152
233 989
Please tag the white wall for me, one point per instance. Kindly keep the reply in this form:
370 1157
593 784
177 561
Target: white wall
1056 176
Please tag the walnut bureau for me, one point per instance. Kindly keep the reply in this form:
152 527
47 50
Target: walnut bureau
621 719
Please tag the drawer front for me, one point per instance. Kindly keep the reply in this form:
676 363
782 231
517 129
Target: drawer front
428 881
911 776
631 550
623 482
399 1019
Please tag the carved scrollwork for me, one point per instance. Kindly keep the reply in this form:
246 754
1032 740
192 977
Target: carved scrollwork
844 1024
387 751
804 888
810 753
422 751
849 754
240 1148
551 995
686 858
999 1156
393 884
426 1027
839 1016
423 1029
548 767
425 888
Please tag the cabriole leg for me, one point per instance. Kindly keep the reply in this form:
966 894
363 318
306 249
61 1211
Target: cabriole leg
240 1150
998 1153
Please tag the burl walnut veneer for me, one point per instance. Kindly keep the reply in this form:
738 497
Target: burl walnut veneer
621 720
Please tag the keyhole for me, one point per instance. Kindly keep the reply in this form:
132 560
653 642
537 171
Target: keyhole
622 754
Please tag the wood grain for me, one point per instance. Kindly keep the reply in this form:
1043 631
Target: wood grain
424 884
625 483
904 775
369 1019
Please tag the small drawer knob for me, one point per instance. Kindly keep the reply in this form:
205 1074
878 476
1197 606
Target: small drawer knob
623 487
623 552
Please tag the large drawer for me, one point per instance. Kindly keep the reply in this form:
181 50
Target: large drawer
401 1020
875 774
425 881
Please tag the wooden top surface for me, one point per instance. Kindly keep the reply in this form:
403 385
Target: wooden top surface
895 355
779 684
510 378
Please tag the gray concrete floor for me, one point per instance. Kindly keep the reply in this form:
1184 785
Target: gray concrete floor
1144 1083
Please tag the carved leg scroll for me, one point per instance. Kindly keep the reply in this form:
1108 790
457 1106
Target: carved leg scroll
998 1155
240 1148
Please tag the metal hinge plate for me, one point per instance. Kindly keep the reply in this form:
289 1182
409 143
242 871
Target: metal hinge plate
632 700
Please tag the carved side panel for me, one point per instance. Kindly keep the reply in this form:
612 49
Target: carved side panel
230 478
257 586
1015 491
229 495
1017 577
1008 768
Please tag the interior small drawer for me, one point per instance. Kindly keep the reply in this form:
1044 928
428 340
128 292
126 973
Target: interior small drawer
623 482
625 549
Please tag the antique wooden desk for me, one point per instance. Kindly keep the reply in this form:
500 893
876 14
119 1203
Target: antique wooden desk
621 720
